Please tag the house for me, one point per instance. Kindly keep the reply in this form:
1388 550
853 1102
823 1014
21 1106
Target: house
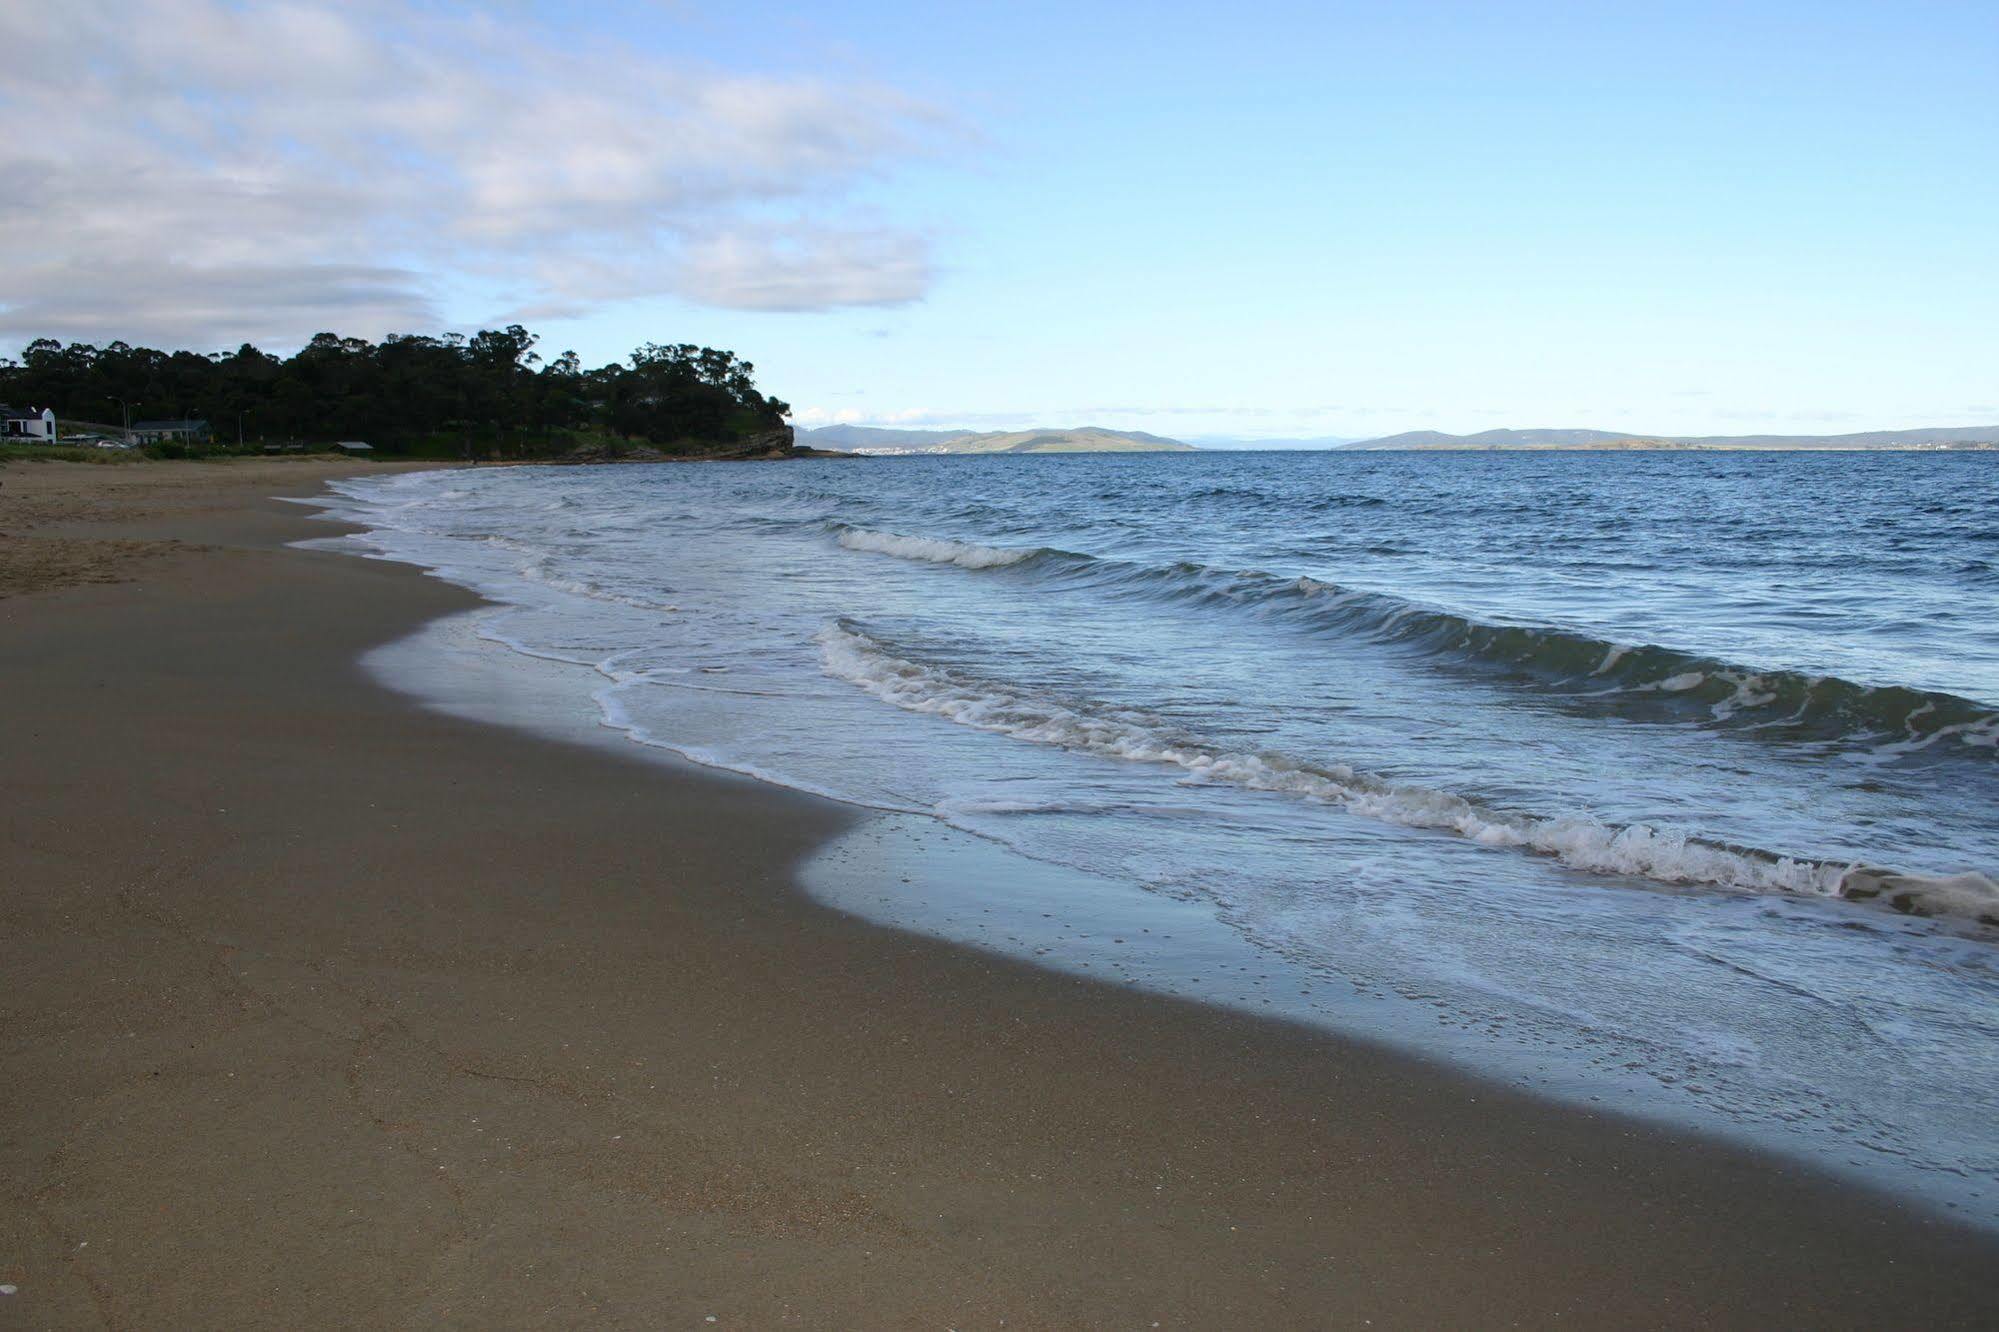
161 432
354 447
31 424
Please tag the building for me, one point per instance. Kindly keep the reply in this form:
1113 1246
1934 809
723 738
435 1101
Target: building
354 446
31 424
162 432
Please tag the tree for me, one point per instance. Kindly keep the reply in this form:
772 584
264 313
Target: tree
409 391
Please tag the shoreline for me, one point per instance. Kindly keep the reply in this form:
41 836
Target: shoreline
919 873
343 1010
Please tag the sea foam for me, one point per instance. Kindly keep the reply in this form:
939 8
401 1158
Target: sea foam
934 550
1888 721
1575 839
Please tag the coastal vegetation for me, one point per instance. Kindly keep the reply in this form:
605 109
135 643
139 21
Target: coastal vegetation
489 395
15 452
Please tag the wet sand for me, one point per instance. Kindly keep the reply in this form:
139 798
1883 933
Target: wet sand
320 1009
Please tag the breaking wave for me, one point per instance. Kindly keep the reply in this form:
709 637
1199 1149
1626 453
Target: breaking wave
933 550
1636 850
1644 678
538 571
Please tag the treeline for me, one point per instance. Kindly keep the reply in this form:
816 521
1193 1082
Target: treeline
406 394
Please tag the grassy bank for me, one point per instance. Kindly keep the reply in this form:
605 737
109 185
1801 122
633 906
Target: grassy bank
57 453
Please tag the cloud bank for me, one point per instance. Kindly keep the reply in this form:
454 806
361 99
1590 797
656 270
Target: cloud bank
198 172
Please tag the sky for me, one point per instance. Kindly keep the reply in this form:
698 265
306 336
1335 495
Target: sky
1252 220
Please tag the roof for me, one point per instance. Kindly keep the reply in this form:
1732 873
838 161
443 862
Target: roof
167 425
354 444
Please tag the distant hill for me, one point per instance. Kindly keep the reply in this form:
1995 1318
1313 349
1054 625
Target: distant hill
1931 437
866 437
1242 443
1496 439
1095 439
1928 438
1085 439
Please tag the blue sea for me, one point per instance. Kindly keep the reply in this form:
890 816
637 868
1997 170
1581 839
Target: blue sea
1666 783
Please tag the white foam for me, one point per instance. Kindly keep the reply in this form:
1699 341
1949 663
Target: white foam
615 716
1966 896
1984 731
1751 691
537 571
933 550
1639 850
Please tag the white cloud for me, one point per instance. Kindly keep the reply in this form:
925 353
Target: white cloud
801 269
810 416
205 172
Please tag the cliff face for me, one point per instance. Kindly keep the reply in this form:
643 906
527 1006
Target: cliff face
775 442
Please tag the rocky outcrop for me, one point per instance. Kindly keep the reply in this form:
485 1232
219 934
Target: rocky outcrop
778 442
606 453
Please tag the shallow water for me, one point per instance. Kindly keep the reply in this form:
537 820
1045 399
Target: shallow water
1626 769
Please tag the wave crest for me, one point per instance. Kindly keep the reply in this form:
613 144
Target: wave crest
934 550
1638 678
1638 850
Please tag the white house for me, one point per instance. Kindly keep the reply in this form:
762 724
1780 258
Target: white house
30 424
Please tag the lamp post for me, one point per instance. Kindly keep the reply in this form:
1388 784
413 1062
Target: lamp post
112 397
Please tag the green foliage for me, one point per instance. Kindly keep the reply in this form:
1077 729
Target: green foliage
10 452
450 396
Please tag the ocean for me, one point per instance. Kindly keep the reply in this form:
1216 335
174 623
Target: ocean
1666 783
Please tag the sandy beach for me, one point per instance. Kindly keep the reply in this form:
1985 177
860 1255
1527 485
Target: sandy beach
322 1009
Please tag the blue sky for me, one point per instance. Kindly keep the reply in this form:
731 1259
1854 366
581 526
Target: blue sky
1258 219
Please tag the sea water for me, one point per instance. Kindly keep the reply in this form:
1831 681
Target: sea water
1666 781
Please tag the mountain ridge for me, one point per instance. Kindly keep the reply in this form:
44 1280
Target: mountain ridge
1099 439
1926 437
1041 439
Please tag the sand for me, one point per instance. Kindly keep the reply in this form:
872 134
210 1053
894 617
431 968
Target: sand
321 1009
